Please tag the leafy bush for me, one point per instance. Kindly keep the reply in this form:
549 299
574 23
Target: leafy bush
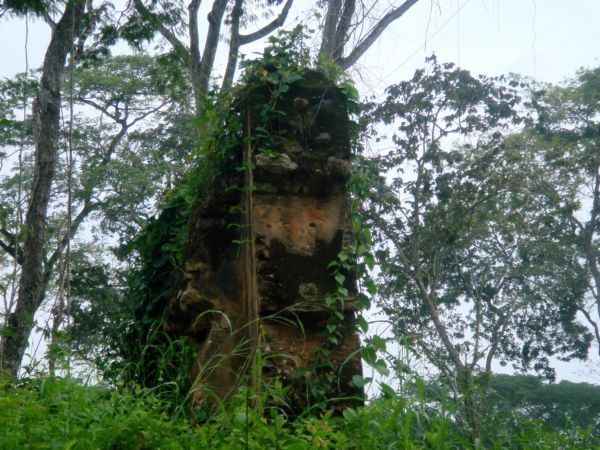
61 413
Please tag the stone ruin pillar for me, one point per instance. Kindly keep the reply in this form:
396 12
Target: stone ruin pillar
255 270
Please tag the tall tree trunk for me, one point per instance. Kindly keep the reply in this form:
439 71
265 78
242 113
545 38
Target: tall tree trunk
46 113
337 30
234 45
201 72
332 18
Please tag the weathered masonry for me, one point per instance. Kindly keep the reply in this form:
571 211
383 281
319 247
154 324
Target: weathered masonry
255 267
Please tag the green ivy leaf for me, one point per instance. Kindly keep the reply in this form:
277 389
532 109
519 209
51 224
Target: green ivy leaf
349 413
387 390
378 342
370 285
363 324
381 367
369 355
339 278
360 381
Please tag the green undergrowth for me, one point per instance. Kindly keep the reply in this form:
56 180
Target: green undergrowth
63 414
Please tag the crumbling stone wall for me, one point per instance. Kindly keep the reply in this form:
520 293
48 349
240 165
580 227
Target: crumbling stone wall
255 269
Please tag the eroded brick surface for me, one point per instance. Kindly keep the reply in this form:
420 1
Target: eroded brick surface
300 221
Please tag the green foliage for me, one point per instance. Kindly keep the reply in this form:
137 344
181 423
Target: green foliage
567 133
471 244
558 406
61 413
147 355
123 159
472 234
22 7
285 59
285 56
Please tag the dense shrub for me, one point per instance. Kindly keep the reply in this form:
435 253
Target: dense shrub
63 414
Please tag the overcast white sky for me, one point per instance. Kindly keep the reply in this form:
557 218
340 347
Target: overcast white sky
545 39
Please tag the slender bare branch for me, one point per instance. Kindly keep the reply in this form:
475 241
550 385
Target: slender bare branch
593 323
497 333
439 326
375 32
51 23
9 248
88 207
269 28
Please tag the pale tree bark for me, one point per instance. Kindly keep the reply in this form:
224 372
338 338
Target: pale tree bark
201 63
46 113
341 23
88 206
337 30
237 40
330 27
234 44
204 67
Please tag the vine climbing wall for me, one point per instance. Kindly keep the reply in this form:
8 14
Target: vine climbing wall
257 292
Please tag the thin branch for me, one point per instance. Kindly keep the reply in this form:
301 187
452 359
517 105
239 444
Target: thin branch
51 23
88 207
147 113
164 31
577 223
439 326
593 323
497 333
365 43
269 28
50 262
101 108
10 248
